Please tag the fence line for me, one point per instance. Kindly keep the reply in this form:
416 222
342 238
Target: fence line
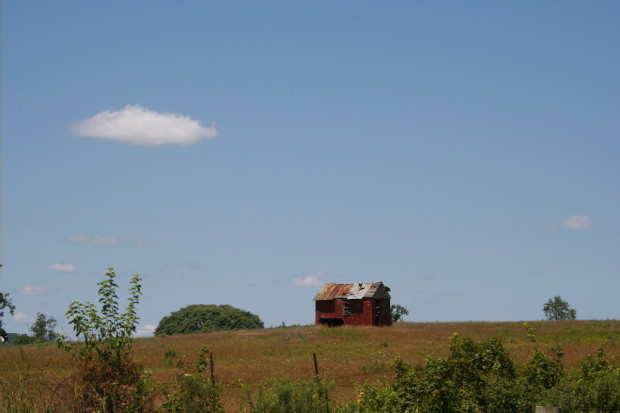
51 383
316 372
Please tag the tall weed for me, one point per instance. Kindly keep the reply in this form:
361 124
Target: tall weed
105 377
192 392
287 396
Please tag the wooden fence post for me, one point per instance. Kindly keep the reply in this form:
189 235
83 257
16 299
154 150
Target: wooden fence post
548 409
316 365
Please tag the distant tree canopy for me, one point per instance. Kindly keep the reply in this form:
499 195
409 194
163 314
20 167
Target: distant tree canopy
202 318
42 331
398 312
558 309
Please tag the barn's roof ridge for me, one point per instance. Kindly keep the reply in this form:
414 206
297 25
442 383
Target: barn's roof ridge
355 291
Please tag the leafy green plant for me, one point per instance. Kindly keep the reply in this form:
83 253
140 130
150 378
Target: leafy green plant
170 353
106 333
376 367
105 376
531 336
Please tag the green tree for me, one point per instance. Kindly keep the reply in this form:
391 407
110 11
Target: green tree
43 329
397 312
205 319
558 309
5 302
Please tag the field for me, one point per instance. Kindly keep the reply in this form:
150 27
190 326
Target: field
348 356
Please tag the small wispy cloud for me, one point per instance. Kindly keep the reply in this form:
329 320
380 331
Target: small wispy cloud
106 241
430 277
93 240
312 279
137 125
583 222
145 331
61 267
23 317
33 290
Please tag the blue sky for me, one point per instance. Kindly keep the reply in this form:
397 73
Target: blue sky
243 153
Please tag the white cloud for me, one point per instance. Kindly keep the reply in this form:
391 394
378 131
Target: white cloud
313 279
23 317
33 290
578 222
62 267
140 126
145 331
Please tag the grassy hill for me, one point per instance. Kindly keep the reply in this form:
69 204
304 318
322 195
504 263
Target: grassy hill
347 355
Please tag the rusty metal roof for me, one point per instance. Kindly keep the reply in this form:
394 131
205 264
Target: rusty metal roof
355 291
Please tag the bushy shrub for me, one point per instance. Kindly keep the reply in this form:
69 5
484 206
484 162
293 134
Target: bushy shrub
542 371
474 377
593 388
23 339
481 377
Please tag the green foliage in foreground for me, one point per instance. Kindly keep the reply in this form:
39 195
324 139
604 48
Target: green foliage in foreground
481 377
105 377
106 332
206 319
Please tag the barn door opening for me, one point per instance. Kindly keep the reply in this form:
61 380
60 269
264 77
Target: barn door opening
332 322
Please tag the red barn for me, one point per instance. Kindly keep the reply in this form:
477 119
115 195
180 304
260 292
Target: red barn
361 304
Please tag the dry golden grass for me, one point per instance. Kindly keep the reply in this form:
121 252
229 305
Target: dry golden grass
347 355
